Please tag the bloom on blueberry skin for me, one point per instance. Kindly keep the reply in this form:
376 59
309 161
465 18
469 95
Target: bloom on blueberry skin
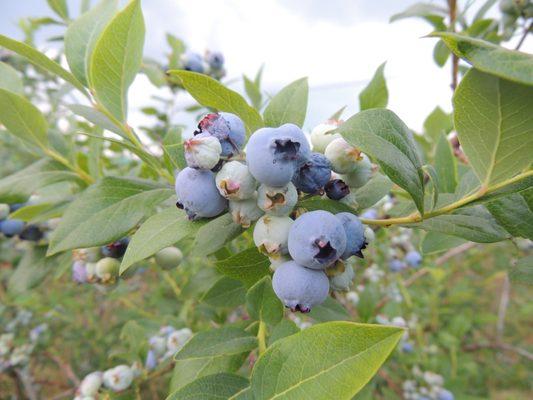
355 235
396 265
11 227
151 360
343 156
215 60
198 194
313 174
245 212
337 189
90 385
321 136
274 154
300 288
119 378
271 235
234 181
202 151
361 173
227 128
445 395
193 62
277 201
317 239
413 259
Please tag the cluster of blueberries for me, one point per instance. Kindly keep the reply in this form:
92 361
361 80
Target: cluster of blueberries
212 63
15 227
264 186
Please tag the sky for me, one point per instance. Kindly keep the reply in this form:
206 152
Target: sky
338 44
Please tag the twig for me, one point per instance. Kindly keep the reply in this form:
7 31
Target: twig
454 252
502 310
452 7
65 367
27 384
390 383
523 38
499 346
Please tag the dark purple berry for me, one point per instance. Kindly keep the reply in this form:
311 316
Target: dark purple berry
116 249
336 189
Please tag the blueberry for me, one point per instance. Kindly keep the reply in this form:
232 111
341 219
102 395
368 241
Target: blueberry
342 155
227 128
12 227
300 288
244 212
215 60
321 135
79 272
277 201
313 174
336 189
445 395
32 233
107 269
193 62
413 259
4 211
396 265
317 239
371 213
407 347
355 235
343 281
273 155
119 378
151 360
271 235
90 385
90 268
370 235
169 257
116 249
198 194
234 181
202 151
361 173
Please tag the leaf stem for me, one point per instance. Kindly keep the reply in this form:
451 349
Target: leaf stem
62 160
261 337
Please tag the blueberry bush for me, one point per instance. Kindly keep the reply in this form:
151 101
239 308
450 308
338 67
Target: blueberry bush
246 258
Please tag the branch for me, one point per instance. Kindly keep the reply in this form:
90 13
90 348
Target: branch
523 38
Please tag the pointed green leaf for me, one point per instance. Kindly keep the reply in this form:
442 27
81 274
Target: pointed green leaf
515 213
494 123
263 304
333 360
253 92
248 266
375 94
10 79
81 37
96 117
60 7
441 53
117 58
490 58
225 293
211 387
106 212
445 165
382 135
289 105
437 123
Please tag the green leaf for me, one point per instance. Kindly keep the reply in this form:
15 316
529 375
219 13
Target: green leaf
10 79
244 394
60 7
374 190
487 57
440 53
18 187
432 174
40 60
211 387
432 13
173 148
333 360
471 223
437 123
106 212
375 94
289 105
435 242
225 293
337 114
96 117
23 119
445 165
116 59
225 341
522 272
253 91
215 234
248 266
285 328
329 310
211 93
159 231
40 212
515 213
382 135
263 304
81 37
484 8
494 123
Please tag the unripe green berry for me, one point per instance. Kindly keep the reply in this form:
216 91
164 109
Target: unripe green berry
361 173
321 135
235 182
107 269
169 257
342 155
245 212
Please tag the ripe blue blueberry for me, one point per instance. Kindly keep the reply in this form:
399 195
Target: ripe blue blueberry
371 213
396 265
407 347
227 128
12 227
31 233
277 201
202 151
355 235
317 239
273 155
413 259
116 249
151 360
193 62
313 174
336 189
79 272
300 288
445 395
198 194
215 60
